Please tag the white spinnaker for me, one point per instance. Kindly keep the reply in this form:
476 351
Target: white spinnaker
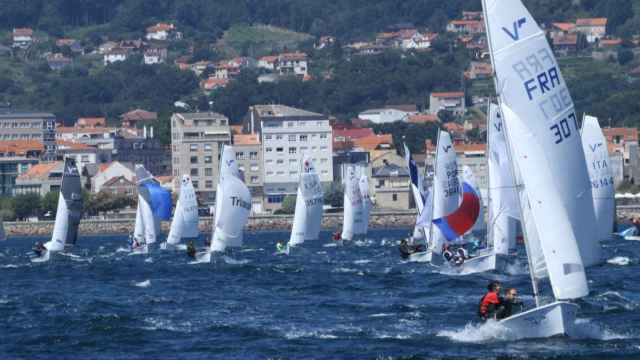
232 199
352 220
363 185
530 83
185 217
504 207
307 219
556 235
601 176
446 187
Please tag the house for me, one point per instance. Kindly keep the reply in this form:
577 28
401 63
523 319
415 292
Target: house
74 45
107 47
479 70
58 61
566 44
558 29
384 115
213 83
324 42
295 63
593 29
22 38
155 55
40 179
466 26
456 130
90 122
160 31
82 153
624 141
199 67
609 43
453 101
110 170
365 48
413 39
472 15
374 144
16 158
134 117
343 138
268 62
423 119
391 186
114 55
120 186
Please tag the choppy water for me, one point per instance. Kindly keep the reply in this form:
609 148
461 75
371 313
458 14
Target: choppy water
354 302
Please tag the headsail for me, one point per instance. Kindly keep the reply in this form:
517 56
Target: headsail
600 174
233 204
352 222
504 208
69 211
530 83
185 217
307 219
446 187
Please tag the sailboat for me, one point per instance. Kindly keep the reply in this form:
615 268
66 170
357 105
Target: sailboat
353 206
596 153
233 206
423 199
363 186
185 217
546 152
307 219
68 213
154 205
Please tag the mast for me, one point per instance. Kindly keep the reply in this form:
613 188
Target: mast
489 201
496 82
435 169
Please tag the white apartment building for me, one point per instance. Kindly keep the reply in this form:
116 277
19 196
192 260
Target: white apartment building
287 135
196 144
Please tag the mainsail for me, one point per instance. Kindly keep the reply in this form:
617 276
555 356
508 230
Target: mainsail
419 196
307 219
600 174
446 187
233 204
503 203
185 217
353 213
69 211
154 205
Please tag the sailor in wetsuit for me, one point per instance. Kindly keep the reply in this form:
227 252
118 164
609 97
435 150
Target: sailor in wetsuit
490 301
191 249
510 305
39 249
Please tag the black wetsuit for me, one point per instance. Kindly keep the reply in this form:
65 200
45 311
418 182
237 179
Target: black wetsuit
191 251
405 250
508 308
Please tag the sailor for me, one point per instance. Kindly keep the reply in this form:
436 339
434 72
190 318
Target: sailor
510 305
490 301
280 247
446 253
39 248
636 223
405 249
191 249
337 236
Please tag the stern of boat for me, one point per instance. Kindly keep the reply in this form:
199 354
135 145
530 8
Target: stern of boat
554 319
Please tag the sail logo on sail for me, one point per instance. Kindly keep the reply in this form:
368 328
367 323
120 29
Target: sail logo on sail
313 202
515 35
595 147
446 148
498 126
238 202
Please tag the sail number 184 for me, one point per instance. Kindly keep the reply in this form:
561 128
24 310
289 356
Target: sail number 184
562 129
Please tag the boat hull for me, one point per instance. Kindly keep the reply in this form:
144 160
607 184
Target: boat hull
554 319
422 256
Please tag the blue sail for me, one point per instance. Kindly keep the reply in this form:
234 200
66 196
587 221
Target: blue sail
160 200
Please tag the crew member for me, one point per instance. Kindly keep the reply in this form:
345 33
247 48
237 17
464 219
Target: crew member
405 249
39 248
337 236
490 301
280 247
191 249
510 305
636 223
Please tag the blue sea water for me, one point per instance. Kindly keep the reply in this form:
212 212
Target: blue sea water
359 301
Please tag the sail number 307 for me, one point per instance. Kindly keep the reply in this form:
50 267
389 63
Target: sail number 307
562 130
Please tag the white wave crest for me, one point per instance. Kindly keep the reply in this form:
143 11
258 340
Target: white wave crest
619 260
479 332
232 261
143 284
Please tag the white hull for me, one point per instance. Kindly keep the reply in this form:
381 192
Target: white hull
423 256
554 319
140 250
632 238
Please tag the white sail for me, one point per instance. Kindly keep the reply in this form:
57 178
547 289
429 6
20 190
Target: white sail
363 185
307 219
416 179
530 83
185 217
352 222
446 187
601 176
556 235
69 211
233 204
504 208
3 236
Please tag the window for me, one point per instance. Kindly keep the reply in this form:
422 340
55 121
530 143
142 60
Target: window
279 149
303 148
291 124
323 148
280 173
84 158
280 161
240 155
195 184
194 172
278 137
194 159
253 155
269 173
176 160
325 172
304 137
323 136
269 161
293 161
293 172
275 199
175 172
208 184
267 137
208 172
208 159
292 138
207 147
269 149
254 179
394 197
292 151
324 160
193 147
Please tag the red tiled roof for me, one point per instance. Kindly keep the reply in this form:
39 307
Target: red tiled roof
91 122
592 22
20 147
373 142
214 83
564 26
356 133
72 145
269 59
164 179
23 32
139 115
160 27
451 94
610 42
246 139
463 148
292 56
629 134
423 118
454 127
114 180
39 171
570 39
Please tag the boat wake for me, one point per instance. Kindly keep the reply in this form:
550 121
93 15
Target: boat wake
620 261
143 284
585 329
232 261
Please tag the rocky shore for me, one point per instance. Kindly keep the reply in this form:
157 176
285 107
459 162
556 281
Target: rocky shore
402 219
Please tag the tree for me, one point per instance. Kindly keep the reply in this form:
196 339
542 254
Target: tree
625 56
288 205
334 195
50 202
27 205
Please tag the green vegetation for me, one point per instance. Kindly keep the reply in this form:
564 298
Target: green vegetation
260 40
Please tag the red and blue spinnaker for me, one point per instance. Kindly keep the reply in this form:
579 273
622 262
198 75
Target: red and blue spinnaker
464 218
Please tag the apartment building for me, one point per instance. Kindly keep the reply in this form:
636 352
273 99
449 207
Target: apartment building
196 144
249 157
30 126
287 134
450 101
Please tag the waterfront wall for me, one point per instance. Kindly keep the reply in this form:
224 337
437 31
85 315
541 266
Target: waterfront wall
395 219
